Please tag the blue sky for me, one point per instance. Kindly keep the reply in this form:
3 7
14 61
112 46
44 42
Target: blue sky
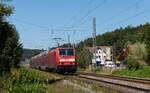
39 21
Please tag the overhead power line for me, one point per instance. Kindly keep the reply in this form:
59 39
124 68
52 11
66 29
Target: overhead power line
90 2
84 16
133 16
76 16
29 23
44 27
121 12
87 14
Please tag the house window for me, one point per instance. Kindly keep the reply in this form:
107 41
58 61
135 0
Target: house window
99 56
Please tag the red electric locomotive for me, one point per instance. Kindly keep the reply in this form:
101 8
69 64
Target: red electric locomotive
61 60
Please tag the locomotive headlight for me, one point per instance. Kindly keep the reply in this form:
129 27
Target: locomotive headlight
62 60
69 59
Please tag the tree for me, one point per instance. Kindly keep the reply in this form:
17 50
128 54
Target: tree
10 48
146 38
137 56
84 57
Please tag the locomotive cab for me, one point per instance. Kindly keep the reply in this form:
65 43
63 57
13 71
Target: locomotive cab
66 60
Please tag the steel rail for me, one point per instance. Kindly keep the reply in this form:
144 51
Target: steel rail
141 84
132 79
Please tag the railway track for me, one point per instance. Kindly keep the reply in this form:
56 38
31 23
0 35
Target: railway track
121 84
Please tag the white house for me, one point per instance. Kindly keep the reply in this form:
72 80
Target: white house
102 54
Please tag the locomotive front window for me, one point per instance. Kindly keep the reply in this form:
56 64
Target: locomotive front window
70 52
66 52
62 52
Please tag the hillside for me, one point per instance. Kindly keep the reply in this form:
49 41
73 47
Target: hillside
119 39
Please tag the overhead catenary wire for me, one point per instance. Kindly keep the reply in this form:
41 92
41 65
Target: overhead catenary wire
83 21
30 23
40 26
130 17
133 16
83 17
87 14
90 2
114 16
47 28
44 27
122 11
75 16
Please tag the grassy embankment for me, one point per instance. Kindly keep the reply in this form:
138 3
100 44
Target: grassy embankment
26 80
142 73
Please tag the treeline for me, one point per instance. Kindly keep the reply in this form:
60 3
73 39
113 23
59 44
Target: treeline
28 53
120 39
10 47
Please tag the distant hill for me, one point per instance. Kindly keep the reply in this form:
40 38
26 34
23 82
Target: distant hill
28 53
119 39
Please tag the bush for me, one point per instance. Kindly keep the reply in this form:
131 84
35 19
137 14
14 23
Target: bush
84 57
137 56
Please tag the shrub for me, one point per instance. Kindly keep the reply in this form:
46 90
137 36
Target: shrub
137 56
84 57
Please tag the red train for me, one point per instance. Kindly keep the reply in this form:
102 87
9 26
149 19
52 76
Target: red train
61 60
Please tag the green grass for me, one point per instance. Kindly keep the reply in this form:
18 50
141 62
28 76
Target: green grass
143 72
26 80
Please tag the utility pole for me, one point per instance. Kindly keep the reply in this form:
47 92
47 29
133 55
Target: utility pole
94 33
94 44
